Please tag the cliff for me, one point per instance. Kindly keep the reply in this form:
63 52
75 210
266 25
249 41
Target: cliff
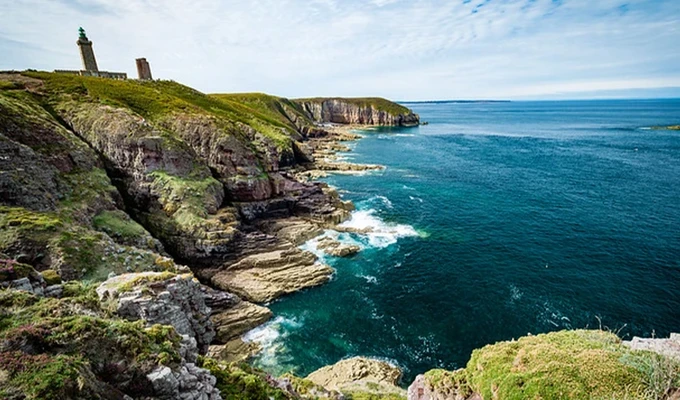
121 183
142 222
360 111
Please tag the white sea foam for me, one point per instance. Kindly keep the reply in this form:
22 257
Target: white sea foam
270 338
415 198
369 278
378 232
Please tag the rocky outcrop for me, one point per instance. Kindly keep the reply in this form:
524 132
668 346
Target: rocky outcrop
263 277
238 319
337 249
359 374
161 298
370 111
667 347
189 382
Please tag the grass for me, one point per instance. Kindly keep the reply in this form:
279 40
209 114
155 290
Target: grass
156 100
118 224
24 219
576 364
241 381
145 278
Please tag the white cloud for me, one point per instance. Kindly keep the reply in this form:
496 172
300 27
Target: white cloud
421 49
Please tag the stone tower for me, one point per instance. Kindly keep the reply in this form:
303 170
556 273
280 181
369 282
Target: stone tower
86 52
143 69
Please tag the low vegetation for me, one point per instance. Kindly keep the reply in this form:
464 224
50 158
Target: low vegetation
561 365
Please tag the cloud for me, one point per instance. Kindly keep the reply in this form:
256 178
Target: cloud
419 49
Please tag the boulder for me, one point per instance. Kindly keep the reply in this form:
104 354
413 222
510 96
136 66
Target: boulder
359 374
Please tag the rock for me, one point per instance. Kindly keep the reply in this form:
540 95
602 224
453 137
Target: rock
263 277
219 300
294 230
423 389
359 374
237 320
337 249
189 382
236 350
162 298
669 347
353 111
53 291
164 383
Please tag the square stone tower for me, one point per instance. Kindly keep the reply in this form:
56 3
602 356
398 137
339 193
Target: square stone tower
143 69
86 52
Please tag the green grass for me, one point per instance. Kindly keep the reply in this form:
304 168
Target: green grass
145 278
560 365
156 100
241 381
118 224
377 103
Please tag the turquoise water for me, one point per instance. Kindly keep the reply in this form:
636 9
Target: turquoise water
493 221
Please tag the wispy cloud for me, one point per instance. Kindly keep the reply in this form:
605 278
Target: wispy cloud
405 49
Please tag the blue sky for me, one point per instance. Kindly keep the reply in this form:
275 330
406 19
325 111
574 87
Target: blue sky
400 49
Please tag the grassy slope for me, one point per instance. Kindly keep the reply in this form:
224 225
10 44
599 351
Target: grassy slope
377 103
271 107
158 99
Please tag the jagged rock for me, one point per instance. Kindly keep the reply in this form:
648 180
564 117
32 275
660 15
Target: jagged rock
422 389
219 300
263 277
669 347
337 249
164 383
295 230
189 382
238 319
235 350
359 374
162 298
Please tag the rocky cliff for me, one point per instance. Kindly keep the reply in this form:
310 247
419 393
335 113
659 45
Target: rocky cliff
141 222
360 111
120 183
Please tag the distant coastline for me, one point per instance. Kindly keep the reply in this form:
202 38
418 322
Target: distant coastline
453 101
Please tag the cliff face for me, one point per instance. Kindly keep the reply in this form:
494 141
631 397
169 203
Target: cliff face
104 180
369 111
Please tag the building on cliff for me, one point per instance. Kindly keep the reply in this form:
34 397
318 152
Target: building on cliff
143 69
89 61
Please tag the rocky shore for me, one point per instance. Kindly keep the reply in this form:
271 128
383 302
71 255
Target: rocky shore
185 211
145 226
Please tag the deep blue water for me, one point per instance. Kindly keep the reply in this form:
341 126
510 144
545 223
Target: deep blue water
493 221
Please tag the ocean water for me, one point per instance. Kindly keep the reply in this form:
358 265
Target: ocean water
494 221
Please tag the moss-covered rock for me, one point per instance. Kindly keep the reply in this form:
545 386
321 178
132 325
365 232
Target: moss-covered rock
576 364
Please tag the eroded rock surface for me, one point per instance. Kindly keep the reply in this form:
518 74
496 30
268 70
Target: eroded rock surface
359 374
669 347
162 298
263 277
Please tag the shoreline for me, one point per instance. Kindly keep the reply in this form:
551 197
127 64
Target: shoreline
323 150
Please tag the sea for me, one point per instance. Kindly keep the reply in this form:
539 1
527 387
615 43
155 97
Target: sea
494 221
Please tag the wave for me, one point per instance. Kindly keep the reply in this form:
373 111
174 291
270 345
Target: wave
415 198
270 339
378 232
369 278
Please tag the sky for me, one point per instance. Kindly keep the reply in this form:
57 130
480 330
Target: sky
399 49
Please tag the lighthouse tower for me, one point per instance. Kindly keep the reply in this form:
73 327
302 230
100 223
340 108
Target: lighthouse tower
86 52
